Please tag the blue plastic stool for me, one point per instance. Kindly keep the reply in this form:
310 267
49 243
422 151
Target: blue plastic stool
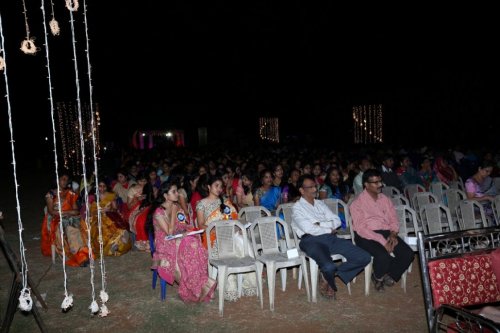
163 283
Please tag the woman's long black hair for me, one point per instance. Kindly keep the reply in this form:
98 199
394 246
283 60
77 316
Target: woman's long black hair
342 186
165 187
212 179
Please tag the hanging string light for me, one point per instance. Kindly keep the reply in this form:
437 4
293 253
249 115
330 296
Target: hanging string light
380 132
67 302
94 308
94 123
367 123
25 301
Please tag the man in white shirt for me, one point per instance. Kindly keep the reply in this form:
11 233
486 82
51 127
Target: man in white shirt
364 165
315 225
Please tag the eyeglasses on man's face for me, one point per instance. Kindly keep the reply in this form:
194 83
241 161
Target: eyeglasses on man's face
306 187
374 182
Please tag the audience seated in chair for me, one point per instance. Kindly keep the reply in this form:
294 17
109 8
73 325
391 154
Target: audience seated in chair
376 227
316 226
184 259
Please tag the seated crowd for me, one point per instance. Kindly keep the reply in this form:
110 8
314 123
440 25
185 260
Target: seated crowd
151 195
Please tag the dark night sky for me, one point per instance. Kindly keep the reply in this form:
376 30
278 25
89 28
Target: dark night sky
204 64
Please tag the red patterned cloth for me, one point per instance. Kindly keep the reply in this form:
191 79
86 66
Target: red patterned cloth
495 262
463 281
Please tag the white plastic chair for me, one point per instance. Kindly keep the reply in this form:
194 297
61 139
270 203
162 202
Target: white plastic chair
435 218
408 224
496 209
496 181
286 210
457 184
420 199
439 190
470 213
251 213
390 191
411 189
224 256
400 199
453 198
269 253
335 205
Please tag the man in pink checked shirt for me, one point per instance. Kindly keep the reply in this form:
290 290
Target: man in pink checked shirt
376 227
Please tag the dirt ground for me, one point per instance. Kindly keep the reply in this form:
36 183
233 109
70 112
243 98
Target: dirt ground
136 307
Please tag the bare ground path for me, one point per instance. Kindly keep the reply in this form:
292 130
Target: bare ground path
135 307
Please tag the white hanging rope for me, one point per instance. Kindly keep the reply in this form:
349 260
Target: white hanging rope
28 45
25 301
68 299
103 295
93 306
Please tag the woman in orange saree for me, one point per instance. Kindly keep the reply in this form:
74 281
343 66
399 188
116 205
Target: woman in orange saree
75 249
211 209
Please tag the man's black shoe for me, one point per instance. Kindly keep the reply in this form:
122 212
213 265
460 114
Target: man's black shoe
378 284
389 281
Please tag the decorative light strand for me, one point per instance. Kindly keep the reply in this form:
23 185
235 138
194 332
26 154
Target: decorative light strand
62 133
28 45
367 123
380 127
94 308
68 298
103 295
25 301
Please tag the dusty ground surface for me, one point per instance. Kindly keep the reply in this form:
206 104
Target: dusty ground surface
136 307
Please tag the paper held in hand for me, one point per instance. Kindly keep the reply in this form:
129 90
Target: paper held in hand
411 240
292 253
194 232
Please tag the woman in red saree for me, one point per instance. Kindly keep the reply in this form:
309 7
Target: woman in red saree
75 248
140 197
444 171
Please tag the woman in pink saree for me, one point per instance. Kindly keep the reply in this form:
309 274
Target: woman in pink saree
183 260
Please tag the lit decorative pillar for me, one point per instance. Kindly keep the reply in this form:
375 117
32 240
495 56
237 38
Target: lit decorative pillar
269 129
367 123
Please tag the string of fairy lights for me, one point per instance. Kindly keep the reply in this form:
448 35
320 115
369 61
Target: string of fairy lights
368 123
269 129
67 116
